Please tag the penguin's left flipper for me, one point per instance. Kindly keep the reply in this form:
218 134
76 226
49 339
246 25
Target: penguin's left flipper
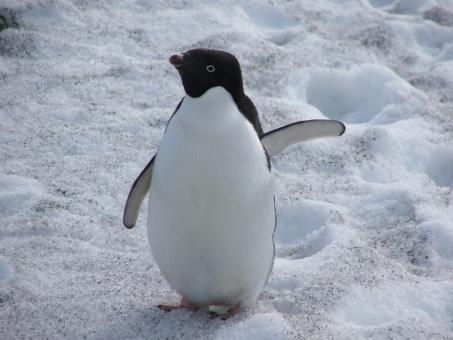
277 140
137 194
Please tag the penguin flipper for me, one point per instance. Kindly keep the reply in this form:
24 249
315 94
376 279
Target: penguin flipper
137 194
277 140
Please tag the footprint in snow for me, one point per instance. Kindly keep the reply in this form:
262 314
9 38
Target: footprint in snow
427 39
434 41
302 229
280 27
269 17
405 151
362 94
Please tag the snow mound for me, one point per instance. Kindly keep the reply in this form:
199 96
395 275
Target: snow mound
362 94
17 193
260 326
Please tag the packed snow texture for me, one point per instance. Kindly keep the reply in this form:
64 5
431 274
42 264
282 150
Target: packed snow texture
364 240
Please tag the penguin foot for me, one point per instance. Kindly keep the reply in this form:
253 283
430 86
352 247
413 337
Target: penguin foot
182 304
225 316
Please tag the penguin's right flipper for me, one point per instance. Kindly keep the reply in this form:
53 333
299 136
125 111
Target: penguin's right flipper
137 194
277 140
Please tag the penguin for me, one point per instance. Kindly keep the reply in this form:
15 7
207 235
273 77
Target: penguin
211 210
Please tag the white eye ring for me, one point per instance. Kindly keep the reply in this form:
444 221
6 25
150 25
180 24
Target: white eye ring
210 68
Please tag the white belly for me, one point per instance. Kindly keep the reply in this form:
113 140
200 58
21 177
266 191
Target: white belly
211 207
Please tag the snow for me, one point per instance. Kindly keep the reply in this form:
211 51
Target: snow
264 326
269 16
358 95
4 271
365 221
303 229
397 303
17 193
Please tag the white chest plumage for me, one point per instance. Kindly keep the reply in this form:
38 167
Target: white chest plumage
211 207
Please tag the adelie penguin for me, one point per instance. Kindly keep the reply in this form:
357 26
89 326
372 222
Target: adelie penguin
211 214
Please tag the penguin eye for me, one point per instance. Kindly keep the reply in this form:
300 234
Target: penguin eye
210 68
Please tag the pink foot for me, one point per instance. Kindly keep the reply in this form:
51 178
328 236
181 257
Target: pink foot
183 304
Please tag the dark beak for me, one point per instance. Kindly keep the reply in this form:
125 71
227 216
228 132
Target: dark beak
176 60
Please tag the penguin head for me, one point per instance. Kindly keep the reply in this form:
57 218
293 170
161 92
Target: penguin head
201 69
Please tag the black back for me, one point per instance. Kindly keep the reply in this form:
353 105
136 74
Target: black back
202 69
248 109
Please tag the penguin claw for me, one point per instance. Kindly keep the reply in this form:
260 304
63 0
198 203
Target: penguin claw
168 308
214 315
225 316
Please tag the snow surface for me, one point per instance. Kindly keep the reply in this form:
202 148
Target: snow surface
365 226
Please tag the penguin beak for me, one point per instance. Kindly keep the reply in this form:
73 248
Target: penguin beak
177 60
